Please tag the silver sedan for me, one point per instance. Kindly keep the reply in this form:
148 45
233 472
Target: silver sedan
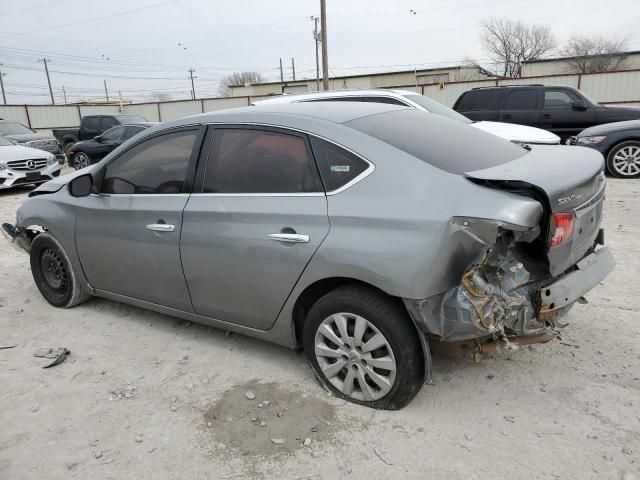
367 234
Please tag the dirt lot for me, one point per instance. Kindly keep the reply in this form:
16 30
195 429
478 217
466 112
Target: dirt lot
144 395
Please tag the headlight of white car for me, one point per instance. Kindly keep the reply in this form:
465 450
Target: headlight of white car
591 140
51 159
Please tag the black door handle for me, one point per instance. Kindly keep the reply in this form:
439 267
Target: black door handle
547 115
507 116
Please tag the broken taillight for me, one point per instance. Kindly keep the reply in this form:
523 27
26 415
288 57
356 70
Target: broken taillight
563 222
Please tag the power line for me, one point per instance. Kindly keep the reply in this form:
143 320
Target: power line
31 8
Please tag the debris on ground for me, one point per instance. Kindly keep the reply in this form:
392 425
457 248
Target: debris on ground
250 395
4 347
127 392
59 355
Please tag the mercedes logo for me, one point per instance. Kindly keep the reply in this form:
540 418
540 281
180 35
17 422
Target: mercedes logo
31 165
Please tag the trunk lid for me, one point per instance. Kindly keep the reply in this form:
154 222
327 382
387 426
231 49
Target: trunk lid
564 179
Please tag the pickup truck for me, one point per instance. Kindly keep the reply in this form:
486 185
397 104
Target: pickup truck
565 111
91 126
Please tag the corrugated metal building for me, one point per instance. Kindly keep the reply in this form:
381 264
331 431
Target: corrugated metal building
405 78
555 66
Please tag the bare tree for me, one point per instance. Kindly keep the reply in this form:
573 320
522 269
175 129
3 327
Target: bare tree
509 43
595 54
237 78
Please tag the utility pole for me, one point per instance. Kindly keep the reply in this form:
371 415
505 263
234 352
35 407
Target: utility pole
4 98
281 74
64 93
193 88
46 69
106 92
325 53
293 68
316 37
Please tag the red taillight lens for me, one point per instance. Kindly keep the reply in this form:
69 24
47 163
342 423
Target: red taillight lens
563 228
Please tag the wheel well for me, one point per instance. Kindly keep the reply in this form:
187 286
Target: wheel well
628 139
315 291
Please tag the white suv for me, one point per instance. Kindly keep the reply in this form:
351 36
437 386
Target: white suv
515 133
23 165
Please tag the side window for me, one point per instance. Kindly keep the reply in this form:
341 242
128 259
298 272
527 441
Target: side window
557 100
521 100
337 166
113 133
131 131
387 100
474 100
158 165
108 122
335 99
92 123
259 161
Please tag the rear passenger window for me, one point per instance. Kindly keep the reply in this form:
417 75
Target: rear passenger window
259 161
337 166
387 100
521 100
92 123
479 100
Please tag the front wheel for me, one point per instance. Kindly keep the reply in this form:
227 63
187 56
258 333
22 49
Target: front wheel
80 160
623 161
53 273
364 348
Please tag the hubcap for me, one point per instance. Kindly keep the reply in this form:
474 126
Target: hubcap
53 271
355 356
81 161
626 161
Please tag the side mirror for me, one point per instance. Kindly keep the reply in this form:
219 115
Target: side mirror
81 186
98 138
579 105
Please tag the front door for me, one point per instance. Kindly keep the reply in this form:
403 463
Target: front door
128 235
559 116
249 235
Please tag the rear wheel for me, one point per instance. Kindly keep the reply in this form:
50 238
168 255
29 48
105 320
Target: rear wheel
363 347
80 160
623 161
53 273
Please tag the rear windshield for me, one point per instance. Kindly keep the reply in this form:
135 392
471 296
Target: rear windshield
14 128
437 108
446 144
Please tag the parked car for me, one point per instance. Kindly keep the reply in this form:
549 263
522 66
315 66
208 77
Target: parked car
361 232
514 133
91 126
20 165
87 152
564 111
619 142
27 137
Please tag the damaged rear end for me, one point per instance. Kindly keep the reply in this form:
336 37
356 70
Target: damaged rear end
525 279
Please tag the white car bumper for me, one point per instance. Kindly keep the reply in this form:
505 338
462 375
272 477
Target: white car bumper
12 178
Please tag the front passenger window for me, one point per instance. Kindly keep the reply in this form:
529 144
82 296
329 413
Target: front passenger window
155 166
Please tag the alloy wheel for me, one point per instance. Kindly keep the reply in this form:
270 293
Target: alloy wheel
626 161
355 357
80 160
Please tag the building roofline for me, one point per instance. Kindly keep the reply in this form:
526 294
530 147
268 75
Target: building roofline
343 77
558 59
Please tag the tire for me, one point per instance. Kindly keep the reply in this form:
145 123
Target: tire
80 160
53 273
623 161
66 148
340 365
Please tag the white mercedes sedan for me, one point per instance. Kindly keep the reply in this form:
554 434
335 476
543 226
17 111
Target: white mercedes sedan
25 166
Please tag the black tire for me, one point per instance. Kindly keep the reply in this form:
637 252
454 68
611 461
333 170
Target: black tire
53 273
611 165
390 318
66 148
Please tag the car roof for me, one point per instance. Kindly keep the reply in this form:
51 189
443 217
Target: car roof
300 97
286 114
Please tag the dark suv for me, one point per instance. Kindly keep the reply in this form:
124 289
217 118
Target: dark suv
564 111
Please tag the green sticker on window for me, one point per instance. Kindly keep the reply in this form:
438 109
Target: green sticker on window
341 168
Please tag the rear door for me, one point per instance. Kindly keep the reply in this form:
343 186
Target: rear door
480 104
259 217
90 127
128 234
521 106
558 115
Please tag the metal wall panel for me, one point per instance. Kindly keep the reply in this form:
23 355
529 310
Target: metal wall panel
16 113
53 116
99 110
175 110
612 87
213 104
557 80
145 110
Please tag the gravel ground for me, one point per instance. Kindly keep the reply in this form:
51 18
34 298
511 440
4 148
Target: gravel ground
144 395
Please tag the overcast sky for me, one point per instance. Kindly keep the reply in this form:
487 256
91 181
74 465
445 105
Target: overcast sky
144 46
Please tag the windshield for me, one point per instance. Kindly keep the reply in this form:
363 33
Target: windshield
436 107
5 142
13 128
124 119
